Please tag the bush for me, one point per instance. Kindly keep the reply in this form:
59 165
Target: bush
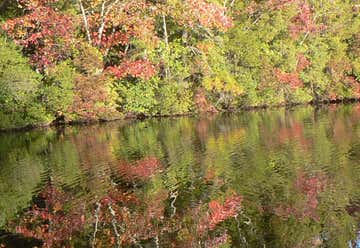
138 97
58 89
19 105
174 98
94 94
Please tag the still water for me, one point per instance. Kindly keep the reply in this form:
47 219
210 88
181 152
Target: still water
270 178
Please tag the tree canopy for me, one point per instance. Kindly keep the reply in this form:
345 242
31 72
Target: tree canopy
101 59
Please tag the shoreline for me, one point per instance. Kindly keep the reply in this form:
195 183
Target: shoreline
132 117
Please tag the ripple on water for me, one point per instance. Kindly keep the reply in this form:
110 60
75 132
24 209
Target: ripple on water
172 182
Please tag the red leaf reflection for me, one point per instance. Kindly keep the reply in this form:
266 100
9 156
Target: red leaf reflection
309 186
142 169
219 212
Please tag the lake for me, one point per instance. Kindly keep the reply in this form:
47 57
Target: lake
267 178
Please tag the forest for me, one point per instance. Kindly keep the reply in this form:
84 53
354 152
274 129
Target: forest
89 60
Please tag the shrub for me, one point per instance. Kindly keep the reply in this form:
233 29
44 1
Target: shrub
19 105
58 89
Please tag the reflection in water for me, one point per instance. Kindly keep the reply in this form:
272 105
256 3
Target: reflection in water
274 178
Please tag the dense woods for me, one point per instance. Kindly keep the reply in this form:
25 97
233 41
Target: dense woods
82 60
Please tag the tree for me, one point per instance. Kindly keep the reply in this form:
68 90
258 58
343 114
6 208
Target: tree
19 105
45 33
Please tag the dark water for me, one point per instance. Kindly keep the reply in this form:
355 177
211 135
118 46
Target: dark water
274 178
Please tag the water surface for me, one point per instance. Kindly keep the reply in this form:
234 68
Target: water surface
272 178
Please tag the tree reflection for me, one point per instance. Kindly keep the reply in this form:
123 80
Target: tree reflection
52 218
309 186
284 178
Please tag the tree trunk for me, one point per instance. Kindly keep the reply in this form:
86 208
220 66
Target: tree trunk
86 24
166 39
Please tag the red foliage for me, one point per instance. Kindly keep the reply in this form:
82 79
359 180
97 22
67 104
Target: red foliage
292 79
118 196
355 85
108 41
122 22
303 22
143 69
201 102
310 186
217 241
51 223
209 15
139 222
55 226
333 96
350 83
295 131
219 212
142 169
44 32
90 99
302 63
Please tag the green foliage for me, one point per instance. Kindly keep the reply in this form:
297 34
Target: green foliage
167 94
20 179
8 9
58 88
262 156
87 59
241 53
297 170
174 98
175 60
138 97
217 77
174 93
261 41
19 106
94 95
154 98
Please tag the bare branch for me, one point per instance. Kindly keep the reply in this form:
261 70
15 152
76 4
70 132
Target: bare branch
96 223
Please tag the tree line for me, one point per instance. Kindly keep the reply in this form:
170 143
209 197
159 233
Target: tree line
81 60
